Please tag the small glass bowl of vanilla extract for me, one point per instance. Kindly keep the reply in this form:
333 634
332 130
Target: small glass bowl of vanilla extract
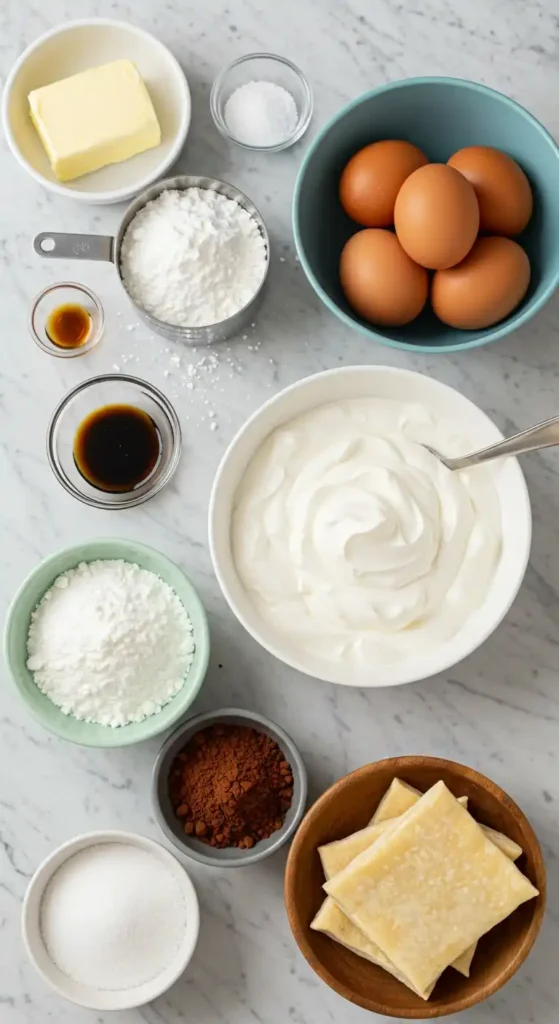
114 441
66 320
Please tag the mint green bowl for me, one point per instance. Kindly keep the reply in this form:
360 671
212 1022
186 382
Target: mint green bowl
17 628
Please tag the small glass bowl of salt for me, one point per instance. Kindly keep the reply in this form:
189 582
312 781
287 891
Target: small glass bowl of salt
261 102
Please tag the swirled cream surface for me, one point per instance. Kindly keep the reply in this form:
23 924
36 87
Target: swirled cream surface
356 544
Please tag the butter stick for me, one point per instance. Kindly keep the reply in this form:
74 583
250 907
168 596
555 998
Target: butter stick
97 117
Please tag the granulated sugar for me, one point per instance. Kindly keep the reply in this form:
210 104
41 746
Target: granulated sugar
113 917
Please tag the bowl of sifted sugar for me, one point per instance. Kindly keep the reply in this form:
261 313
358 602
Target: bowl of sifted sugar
107 643
110 920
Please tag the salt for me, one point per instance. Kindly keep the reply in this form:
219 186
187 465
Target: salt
261 114
113 917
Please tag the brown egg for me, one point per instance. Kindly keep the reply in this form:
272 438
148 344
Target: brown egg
372 179
380 281
485 287
436 216
502 189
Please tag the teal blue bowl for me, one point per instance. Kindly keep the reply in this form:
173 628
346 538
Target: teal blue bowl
17 628
440 115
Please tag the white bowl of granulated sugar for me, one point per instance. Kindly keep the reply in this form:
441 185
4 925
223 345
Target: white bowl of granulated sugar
110 920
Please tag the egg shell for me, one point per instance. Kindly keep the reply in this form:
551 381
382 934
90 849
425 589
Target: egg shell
485 287
373 177
503 191
436 216
379 279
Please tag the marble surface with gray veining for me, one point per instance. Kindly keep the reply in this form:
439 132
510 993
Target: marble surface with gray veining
498 711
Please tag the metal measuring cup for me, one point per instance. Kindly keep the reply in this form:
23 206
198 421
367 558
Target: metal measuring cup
63 245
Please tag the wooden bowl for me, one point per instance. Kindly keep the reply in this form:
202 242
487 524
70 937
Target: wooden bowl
348 806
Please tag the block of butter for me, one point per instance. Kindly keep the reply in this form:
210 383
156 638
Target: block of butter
97 117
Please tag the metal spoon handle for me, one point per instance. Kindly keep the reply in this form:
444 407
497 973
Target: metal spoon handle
543 435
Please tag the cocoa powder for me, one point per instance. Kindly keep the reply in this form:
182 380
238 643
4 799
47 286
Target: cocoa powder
231 786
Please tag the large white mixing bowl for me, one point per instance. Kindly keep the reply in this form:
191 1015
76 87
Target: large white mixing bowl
386 382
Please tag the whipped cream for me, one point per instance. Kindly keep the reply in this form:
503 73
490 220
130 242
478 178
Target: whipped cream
355 543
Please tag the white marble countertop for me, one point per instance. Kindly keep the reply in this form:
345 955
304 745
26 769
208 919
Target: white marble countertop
498 711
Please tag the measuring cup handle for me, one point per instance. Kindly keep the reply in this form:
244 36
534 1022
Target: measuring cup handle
60 245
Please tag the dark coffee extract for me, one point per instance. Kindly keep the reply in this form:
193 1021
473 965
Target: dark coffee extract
117 447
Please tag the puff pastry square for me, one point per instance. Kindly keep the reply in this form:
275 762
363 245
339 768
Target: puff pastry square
429 888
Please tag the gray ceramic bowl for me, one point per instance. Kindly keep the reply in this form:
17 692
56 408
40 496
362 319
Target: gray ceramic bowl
231 857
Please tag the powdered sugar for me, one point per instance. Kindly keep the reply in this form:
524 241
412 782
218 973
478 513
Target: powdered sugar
192 258
110 643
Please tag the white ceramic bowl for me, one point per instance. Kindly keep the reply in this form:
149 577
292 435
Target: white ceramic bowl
74 47
82 995
387 382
